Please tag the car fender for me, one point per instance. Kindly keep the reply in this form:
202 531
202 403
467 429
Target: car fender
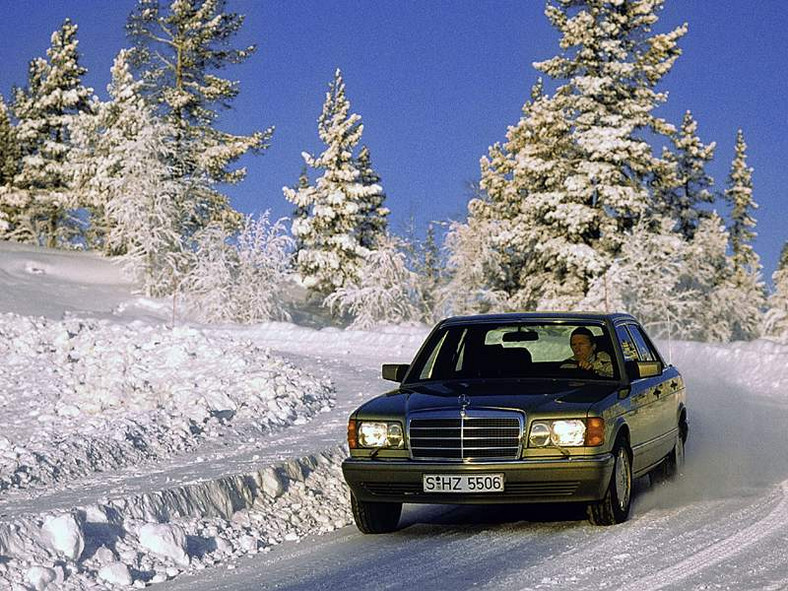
620 427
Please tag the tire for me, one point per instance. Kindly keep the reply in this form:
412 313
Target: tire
672 467
674 463
614 507
375 518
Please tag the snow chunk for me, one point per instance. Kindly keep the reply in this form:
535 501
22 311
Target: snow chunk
40 577
165 541
63 533
115 573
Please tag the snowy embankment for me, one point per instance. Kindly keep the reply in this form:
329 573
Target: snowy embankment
83 395
154 537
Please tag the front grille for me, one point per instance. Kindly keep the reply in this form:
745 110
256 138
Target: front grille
474 435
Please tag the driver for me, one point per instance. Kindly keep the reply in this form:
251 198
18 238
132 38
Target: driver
585 356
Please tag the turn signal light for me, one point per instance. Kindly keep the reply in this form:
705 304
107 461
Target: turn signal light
352 435
595 432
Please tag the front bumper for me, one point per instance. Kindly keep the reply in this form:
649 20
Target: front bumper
525 481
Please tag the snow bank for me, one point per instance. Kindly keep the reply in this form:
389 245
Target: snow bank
82 395
760 367
122 547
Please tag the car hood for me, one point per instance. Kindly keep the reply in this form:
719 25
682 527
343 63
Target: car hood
546 396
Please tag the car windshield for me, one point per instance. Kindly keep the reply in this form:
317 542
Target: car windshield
552 350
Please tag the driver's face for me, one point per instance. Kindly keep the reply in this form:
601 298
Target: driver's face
582 347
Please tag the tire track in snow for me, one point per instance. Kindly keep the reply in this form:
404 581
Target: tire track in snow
716 553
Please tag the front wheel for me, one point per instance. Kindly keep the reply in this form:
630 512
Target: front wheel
375 518
614 507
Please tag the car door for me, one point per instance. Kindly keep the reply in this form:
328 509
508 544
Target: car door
645 428
665 392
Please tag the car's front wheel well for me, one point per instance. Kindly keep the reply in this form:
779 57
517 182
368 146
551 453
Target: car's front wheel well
622 438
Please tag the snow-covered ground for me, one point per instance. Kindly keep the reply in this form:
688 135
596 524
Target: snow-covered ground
134 452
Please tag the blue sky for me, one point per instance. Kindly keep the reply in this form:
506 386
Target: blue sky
436 82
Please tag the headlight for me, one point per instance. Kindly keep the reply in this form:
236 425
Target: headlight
378 434
567 433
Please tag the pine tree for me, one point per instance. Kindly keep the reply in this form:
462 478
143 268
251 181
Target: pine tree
430 275
9 164
341 206
300 212
576 174
776 319
104 142
535 253
44 111
611 62
179 49
692 185
746 263
9 148
373 225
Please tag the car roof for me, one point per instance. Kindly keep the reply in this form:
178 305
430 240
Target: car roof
540 316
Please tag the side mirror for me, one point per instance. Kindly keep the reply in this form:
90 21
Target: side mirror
395 372
643 369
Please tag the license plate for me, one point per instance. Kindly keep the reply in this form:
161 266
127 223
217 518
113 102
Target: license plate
462 483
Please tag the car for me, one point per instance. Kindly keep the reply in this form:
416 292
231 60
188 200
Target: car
519 408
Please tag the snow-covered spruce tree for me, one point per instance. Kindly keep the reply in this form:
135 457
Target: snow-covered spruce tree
9 147
775 323
340 228
179 48
386 291
533 255
576 173
9 165
44 112
611 63
240 278
549 232
300 212
746 263
120 167
692 185
374 222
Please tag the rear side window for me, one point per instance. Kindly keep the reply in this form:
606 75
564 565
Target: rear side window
628 347
644 350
